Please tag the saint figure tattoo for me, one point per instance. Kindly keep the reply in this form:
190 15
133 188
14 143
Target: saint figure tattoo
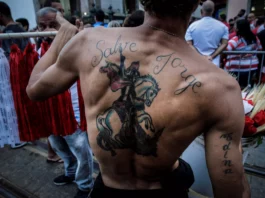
133 128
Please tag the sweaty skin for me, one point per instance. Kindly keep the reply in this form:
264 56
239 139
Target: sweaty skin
147 96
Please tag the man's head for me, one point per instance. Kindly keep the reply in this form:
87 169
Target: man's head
46 19
54 4
99 16
24 23
135 19
207 8
241 13
5 14
170 8
251 17
231 23
223 17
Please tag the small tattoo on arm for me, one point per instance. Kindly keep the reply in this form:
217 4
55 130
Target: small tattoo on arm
227 163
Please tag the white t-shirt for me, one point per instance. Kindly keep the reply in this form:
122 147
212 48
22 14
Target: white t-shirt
206 35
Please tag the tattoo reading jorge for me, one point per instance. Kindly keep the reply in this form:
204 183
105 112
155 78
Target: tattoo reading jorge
227 162
134 127
191 80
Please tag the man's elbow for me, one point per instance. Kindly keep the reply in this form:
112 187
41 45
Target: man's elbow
32 94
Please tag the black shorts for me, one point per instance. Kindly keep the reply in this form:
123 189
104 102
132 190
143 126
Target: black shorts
174 185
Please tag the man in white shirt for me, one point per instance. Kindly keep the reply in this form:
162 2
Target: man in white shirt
208 36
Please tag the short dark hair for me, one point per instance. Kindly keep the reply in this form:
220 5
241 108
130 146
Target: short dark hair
223 17
260 21
5 10
231 20
23 21
170 8
48 3
136 19
100 15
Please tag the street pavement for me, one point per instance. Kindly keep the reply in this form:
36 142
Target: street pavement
26 169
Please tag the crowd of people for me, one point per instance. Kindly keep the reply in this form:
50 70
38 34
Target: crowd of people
206 37
243 33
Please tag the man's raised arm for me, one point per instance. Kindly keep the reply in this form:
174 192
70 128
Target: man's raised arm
223 145
56 71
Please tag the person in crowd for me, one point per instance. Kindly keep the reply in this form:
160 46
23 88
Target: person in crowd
135 19
134 82
10 27
252 20
113 24
232 31
87 21
244 67
74 149
261 36
208 36
259 23
223 20
99 18
24 23
54 4
241 14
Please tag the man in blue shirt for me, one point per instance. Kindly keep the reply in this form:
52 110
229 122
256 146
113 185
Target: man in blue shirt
99 17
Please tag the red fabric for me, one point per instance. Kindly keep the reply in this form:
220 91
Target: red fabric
40 119
232 35
259 118
16 61
249 129
61 118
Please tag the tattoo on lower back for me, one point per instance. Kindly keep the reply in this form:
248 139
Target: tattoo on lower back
226 148
191 80
126 124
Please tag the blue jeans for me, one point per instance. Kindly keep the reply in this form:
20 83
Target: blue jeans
77 156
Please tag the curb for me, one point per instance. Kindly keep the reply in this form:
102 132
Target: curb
9 190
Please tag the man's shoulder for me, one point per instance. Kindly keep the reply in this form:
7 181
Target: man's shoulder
219 84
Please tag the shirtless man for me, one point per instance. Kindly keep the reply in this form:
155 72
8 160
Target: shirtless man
148 95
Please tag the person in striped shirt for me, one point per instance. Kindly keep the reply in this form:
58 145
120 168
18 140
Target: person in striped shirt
244 66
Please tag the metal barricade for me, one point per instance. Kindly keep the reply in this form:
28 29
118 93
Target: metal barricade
240 57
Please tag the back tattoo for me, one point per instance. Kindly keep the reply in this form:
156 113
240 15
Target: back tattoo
133 128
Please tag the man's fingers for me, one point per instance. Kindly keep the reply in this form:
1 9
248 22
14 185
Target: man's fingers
77 23
81 27
60 19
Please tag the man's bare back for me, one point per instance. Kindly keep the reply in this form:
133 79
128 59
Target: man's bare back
147 96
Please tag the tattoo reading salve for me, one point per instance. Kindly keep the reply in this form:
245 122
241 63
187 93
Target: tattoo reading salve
106 52
227 162
191 80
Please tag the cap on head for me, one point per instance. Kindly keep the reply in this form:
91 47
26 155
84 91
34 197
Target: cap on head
170 8
208 8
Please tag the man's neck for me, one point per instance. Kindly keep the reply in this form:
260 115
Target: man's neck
8 21
174 26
